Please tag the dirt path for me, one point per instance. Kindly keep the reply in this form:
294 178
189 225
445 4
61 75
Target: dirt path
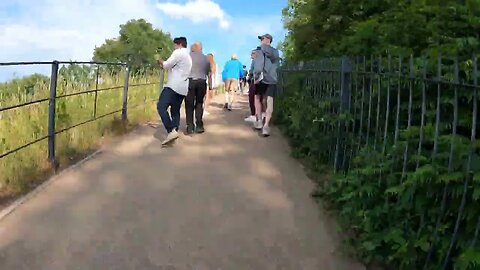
227 199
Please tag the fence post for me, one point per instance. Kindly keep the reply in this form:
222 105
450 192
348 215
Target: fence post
125 94
51 116
97 75
344 108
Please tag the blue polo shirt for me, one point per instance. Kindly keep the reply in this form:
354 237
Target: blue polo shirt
233 70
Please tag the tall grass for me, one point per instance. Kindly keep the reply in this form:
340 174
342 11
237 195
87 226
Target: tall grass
21 170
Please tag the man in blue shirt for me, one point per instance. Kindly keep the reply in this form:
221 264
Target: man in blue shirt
231 75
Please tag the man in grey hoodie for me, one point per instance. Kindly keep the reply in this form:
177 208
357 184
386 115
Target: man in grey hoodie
265 79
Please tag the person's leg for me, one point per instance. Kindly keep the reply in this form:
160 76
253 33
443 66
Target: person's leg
251 99
271 92
201 90
264 106
208 99
269 111
251 103
190 106
227 91
177 100
258 112
164 101
233 87
260 90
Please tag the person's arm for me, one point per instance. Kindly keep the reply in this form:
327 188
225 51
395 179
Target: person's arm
171 61
209 76
240 67
224 72
276 55
250 71
271 53
258 63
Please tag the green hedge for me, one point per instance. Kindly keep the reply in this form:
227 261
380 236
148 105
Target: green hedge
391 216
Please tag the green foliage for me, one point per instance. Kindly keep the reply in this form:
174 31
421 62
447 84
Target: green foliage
18 89
319 28
23 125
137 44
398 204
401 201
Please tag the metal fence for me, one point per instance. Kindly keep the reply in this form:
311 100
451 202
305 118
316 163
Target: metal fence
381 97
119 69
411 111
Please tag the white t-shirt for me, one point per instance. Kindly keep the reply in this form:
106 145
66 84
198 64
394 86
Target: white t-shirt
178 65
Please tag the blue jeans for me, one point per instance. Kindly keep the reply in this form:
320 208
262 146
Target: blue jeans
170 98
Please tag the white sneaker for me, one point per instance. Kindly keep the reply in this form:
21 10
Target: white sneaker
258 125
230 106
251 119
266 131
173 135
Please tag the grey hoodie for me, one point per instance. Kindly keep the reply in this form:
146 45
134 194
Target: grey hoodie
266 62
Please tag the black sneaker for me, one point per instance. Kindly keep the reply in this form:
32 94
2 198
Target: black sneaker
225 106
200 129
190 130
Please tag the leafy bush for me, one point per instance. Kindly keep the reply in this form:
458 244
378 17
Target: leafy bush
320 28
410 195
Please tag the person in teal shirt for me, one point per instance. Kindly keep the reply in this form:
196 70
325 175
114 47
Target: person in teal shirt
231 76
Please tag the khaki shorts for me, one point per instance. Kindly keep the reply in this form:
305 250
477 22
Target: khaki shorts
231 84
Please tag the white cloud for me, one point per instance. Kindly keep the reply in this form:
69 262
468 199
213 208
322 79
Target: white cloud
66 30
46 30
243 39
34 37
196 11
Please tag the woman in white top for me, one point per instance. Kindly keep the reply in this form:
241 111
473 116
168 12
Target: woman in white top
209 95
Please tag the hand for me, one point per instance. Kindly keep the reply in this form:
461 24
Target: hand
160 61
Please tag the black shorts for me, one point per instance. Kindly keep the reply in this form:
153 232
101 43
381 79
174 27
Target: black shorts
263 89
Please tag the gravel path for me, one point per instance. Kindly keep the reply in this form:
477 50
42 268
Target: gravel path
227 199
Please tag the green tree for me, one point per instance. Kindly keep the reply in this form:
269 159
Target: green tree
137 44
318 28
24 86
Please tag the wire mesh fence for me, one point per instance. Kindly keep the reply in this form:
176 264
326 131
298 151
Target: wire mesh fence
35 111
412 124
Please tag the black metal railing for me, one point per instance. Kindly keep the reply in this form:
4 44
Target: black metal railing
54 96
412 113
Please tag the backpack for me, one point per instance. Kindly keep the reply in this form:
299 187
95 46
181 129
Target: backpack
259 78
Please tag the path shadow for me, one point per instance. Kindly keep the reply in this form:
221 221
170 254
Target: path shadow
220 200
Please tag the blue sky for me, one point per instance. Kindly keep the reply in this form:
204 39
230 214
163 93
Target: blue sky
46 30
